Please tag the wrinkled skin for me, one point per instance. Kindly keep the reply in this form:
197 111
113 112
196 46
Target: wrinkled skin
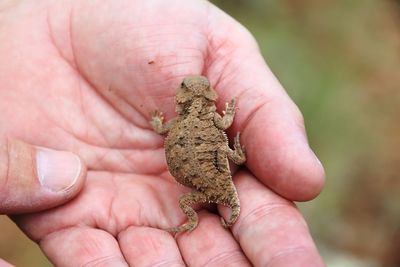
84 75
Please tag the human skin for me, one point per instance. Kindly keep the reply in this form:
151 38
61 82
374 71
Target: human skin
83 76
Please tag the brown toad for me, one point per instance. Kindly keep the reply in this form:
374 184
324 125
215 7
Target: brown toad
197 149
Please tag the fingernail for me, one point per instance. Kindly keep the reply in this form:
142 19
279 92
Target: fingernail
57 170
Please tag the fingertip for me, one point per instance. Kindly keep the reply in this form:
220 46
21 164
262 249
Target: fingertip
36 178
316 180
293 172
59 171
74 189
279 153
61 175
306 178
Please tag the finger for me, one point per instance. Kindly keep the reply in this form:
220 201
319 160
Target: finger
5 264
211 245
145 246
81 246
113 202
272 126
33 179
270 229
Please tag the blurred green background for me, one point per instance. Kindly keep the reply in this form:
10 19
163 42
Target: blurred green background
340 62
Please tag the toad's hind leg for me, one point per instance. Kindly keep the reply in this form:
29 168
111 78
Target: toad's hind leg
185 203
232 202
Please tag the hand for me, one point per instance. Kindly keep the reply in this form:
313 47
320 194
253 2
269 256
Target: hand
83 76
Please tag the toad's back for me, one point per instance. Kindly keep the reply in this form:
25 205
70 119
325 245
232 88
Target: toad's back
191 150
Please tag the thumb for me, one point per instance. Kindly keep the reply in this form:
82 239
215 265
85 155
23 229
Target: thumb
34 178
5 264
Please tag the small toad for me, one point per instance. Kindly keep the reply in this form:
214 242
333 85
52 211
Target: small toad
197 150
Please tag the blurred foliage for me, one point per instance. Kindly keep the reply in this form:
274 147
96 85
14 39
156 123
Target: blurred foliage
16 248
339 61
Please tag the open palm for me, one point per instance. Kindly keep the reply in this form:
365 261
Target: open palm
84 76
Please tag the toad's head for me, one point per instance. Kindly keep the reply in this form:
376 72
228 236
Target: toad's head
195 86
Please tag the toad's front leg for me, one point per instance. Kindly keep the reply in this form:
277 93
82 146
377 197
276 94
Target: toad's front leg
156 122
226 121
